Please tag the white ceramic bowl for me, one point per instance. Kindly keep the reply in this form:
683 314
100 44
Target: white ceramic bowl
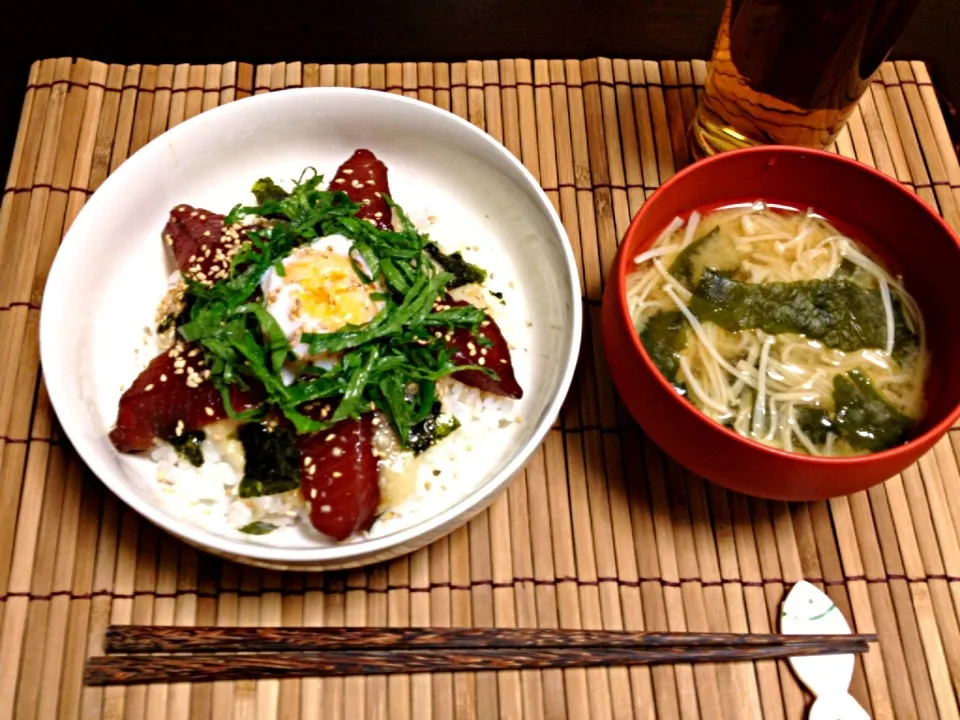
111 272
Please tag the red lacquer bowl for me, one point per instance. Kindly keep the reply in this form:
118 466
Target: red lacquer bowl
876 211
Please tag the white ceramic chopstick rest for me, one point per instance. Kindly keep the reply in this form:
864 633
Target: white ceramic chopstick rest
807 611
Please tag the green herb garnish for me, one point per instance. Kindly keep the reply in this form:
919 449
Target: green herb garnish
392 362
271 461
258 528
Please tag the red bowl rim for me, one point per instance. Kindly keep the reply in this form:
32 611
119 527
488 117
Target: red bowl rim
925 440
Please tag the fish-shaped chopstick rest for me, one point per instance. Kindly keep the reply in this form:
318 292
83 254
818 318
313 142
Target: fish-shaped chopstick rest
807 611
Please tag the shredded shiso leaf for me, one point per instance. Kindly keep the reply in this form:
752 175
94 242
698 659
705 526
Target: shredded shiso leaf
401 347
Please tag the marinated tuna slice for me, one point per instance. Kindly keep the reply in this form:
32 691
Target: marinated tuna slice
339 477
171 397
201 245
364 179
494 354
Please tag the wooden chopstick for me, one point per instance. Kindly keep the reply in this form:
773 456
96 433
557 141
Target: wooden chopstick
222 653
134 669
171 639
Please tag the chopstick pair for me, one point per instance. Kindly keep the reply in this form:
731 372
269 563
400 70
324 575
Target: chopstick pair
221 653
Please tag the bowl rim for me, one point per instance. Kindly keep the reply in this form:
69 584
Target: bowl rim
348 554
625 260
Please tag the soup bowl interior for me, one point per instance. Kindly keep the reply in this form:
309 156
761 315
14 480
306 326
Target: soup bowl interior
907 235
112 270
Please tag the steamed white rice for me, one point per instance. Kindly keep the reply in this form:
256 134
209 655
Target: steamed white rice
437 479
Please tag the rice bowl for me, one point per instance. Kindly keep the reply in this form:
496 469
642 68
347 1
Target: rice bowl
449 176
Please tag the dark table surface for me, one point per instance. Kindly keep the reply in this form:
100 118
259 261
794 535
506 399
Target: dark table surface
175 31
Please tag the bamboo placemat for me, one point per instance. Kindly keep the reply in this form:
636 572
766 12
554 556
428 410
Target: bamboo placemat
600 531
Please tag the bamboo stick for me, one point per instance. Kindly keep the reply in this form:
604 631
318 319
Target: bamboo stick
498 554
468 687
19 471
727 572
100 526
312 689
514 521
630 155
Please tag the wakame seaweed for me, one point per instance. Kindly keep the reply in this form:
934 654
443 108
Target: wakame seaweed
432 429
244 345
815 423
189 446
266 190
837 311
712 250
464 273
664 337
864 417
271 461
258 528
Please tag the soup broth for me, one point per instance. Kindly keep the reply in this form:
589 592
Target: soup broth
775 324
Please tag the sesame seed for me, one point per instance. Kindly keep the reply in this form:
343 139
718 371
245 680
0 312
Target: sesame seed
329 437
312 470
339 180
206 233
482 361
371 182
356 184
181 208
148 388
179 428
203 217
325 508
347 171
337 452
208 411
336 474
307 461
163 378
194 213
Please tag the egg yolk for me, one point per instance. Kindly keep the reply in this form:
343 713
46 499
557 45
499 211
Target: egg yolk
328 291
